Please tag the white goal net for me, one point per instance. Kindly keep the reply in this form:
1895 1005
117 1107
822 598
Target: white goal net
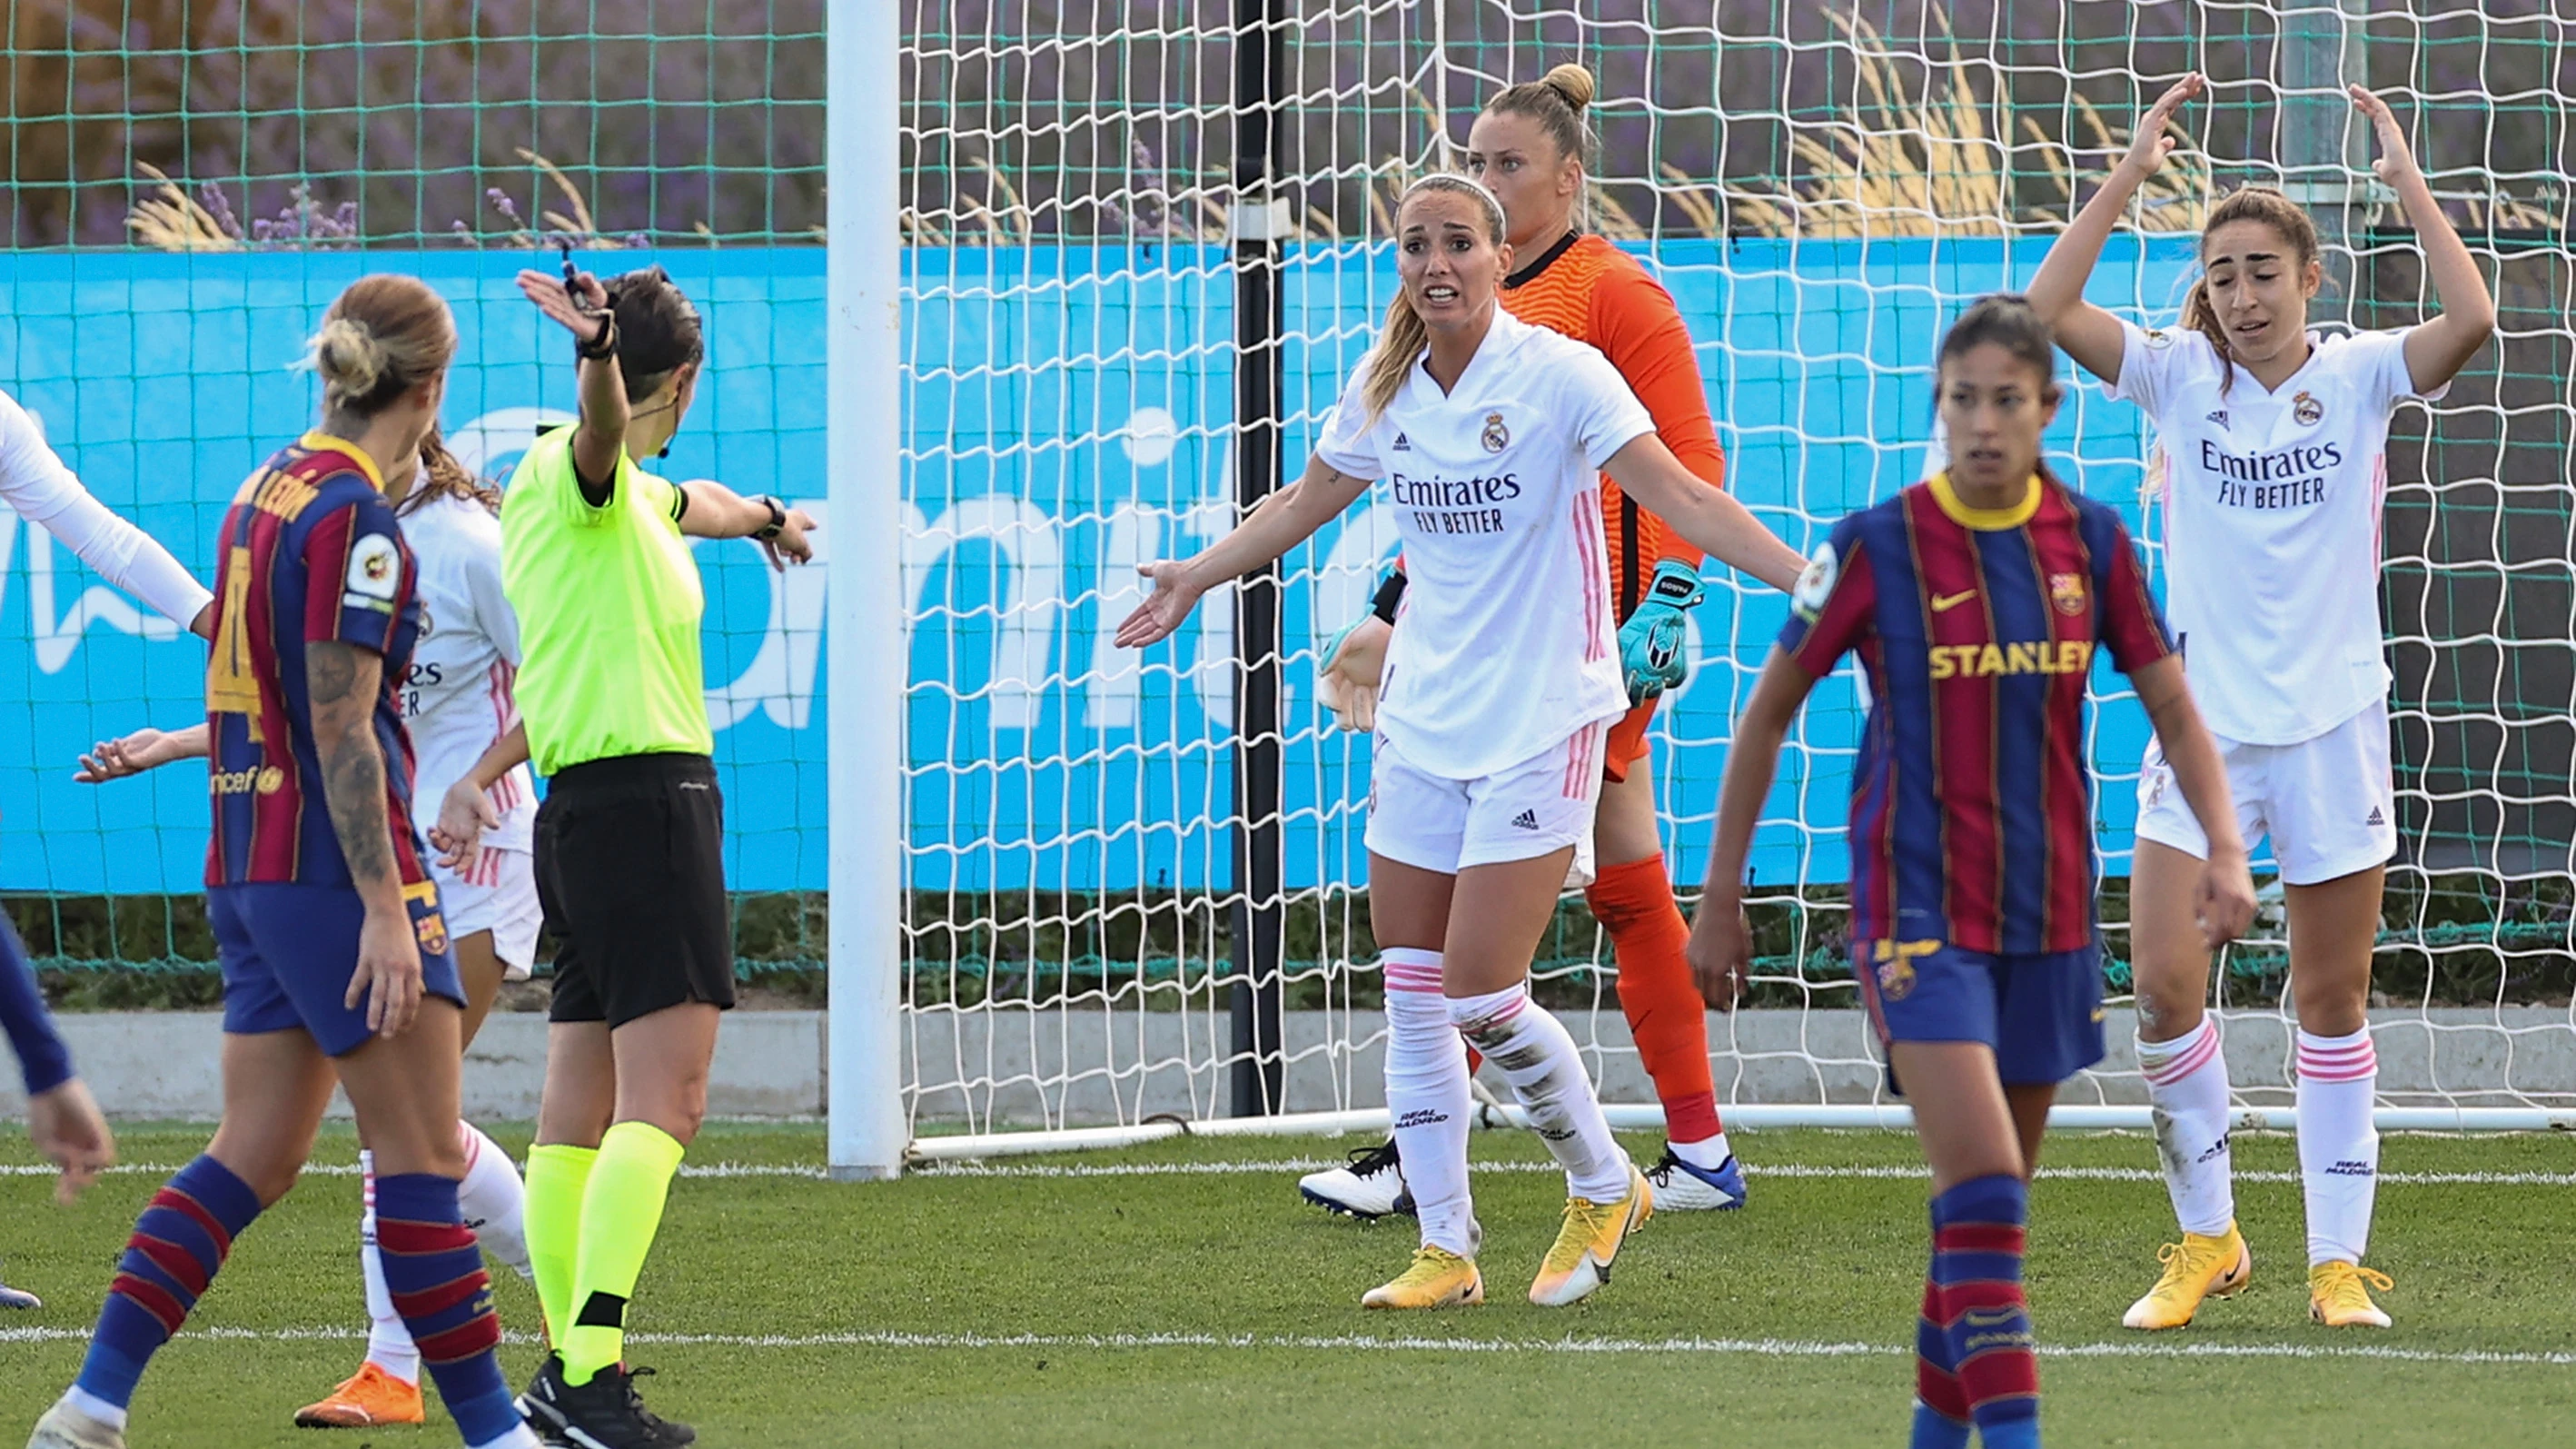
1091 939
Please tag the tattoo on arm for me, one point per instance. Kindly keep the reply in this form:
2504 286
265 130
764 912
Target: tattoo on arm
341 680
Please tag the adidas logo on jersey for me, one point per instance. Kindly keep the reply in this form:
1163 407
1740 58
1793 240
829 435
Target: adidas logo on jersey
1403 444
2375 817
1526 820
2219 417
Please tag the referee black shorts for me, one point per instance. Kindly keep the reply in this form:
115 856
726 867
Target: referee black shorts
630 871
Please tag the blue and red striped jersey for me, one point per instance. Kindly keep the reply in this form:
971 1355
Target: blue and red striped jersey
309 551
1972 805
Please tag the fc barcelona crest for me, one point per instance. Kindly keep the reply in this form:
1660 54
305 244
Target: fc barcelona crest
1895 979
1497 437
2307 410
2066 591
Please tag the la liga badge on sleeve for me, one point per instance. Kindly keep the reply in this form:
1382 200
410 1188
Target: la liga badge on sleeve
1816 584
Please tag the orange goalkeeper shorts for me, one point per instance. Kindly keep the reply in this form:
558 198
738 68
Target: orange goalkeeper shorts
1628 743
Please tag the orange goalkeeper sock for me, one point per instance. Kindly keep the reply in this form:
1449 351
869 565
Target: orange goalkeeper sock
1634 902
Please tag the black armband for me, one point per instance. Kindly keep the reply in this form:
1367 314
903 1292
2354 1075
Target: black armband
1389 594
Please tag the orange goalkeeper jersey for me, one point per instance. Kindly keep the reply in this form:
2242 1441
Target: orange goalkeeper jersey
1593 292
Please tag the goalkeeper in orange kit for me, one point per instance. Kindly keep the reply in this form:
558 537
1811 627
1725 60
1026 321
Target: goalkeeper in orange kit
1528 148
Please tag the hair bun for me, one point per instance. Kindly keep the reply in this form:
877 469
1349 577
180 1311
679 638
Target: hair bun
1573 83
348 357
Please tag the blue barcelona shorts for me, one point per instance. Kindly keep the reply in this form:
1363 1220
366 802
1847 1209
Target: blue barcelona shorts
289 950
2041 1014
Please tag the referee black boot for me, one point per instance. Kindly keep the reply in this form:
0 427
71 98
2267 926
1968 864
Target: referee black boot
606 1413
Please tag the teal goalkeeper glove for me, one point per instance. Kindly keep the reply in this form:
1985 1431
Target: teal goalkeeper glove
1650 643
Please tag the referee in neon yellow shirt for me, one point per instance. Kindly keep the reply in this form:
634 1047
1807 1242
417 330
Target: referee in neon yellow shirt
630 839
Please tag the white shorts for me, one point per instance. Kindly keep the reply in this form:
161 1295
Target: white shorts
499 895
2329 804
1534 808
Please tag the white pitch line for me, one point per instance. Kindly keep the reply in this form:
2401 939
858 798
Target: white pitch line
1282 1166
1751 1169
1372 1343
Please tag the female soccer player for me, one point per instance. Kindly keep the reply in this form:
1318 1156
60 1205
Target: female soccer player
630 839
1490 436
2273 442
335 956
1975 601
1528 147
472 759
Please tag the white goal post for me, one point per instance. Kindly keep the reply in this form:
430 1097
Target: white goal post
1041 229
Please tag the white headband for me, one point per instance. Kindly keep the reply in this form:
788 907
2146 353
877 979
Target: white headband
1454 181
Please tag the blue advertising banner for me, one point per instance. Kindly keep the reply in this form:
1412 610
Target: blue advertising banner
1066 416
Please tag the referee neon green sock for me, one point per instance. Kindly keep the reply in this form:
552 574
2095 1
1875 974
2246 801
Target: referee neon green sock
620 1211
557 1177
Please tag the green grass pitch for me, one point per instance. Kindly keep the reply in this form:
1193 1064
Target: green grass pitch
1180 1294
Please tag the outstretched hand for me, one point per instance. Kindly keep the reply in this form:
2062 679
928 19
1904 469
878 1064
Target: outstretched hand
2396 158
1164 610
145 749
576 305
2154 141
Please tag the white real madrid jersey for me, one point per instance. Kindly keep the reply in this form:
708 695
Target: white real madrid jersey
1507 643
456 699
2272 524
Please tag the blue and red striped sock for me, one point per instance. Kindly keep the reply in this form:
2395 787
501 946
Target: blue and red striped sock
434 1273
178 1246
1940 1405
1977 1241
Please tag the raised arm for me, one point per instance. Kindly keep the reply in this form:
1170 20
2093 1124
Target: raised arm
580 306
2090 335
1284 520
43 489
1716 523
1721 944
343 680
2443 343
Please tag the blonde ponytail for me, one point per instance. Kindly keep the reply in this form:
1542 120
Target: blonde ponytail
347 357
384 336
1399 346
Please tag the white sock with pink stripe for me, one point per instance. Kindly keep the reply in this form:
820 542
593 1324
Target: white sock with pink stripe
1426 1093
2338 1143
494 1201
1538 1057
2187 1086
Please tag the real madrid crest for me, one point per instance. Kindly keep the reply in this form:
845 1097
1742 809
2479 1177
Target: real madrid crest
1497 437
2066 591
2307 410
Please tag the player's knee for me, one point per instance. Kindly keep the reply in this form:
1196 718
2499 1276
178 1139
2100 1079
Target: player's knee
2165 1010
676 1104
